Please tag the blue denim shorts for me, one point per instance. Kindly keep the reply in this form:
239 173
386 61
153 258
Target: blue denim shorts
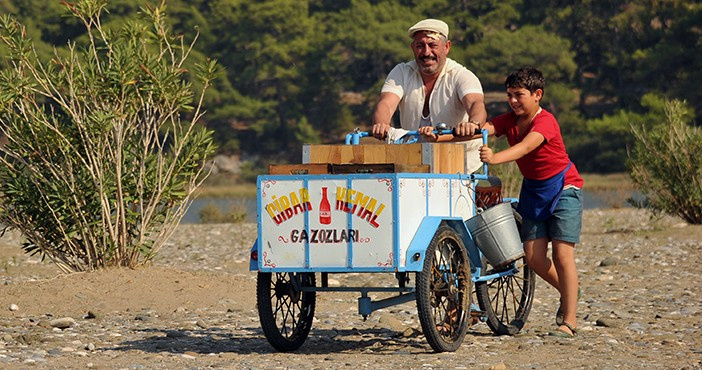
564 224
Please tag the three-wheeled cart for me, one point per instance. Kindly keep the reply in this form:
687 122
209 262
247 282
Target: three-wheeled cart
311 225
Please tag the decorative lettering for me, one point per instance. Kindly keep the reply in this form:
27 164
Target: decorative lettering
356 203
324 236
287 206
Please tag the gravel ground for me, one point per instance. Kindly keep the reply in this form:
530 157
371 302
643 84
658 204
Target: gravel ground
195 308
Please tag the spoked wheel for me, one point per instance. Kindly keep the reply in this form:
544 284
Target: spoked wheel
285 311
506 301
443 291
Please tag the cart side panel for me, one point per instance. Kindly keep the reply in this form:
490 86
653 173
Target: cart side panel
412 194
439 196
283 210
430 195
462 199
356 235
372 219
429 198
328 242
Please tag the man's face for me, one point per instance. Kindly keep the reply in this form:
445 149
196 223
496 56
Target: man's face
430 52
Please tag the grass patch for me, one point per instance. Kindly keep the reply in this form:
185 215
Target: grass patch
228 191
615 181
614 189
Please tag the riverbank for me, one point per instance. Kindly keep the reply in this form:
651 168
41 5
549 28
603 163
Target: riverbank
195 308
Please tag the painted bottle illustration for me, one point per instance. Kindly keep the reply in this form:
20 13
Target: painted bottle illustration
324 209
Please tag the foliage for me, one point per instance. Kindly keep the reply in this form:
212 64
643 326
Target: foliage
666 165
101 160
511 178
604 140
210 213
291 66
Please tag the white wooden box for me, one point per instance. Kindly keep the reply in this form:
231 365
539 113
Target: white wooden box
374 217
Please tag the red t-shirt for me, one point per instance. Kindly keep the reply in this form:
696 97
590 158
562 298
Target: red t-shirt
549 158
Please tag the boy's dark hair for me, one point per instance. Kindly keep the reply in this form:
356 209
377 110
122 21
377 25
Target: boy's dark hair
529 78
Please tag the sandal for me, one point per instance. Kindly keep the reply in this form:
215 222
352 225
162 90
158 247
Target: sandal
562 333
446 326
559 314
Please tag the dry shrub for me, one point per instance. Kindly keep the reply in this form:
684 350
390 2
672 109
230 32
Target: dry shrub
104 151
666 165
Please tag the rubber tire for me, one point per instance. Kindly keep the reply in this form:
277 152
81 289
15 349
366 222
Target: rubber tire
434 292
285 313
503 317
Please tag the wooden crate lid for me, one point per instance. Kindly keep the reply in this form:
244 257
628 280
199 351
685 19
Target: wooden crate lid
441 157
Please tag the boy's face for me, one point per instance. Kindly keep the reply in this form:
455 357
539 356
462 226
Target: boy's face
523 101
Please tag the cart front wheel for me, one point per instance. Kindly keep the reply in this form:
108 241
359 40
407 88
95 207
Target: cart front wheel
285 311
443 291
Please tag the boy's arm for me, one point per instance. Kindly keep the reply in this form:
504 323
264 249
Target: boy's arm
526 146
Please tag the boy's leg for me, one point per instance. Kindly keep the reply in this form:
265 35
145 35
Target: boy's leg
536 255
564 262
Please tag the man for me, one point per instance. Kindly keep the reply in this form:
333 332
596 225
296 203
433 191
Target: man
431 89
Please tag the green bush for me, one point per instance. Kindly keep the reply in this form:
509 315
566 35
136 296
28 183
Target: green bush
210 213
666 165
104 149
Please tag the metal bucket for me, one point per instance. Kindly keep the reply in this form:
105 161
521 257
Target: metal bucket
496 235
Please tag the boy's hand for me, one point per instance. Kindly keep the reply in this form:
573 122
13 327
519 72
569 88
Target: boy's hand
466 129
486 154
428 133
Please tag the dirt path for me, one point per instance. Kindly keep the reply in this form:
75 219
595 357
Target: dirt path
195 308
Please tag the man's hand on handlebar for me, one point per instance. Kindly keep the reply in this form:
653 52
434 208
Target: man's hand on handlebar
380 131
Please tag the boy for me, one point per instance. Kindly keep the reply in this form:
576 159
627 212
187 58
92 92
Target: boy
550 200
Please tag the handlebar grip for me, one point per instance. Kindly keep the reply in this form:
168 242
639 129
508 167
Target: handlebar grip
485 142
476 132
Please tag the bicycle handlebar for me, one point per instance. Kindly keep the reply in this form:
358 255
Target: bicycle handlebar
354 138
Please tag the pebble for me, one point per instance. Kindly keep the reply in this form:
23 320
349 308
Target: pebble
608 261
608 323
640 305
62 323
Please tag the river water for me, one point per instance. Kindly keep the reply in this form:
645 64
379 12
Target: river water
591 201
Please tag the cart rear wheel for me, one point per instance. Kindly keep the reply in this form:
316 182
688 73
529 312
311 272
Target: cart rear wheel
285 311
506 301
443 291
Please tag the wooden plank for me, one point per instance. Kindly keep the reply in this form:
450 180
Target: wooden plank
299 169
379 168
415 168
374 154
445 157
404 153
448 158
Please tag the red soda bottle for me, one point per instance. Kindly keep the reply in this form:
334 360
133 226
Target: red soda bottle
324 209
